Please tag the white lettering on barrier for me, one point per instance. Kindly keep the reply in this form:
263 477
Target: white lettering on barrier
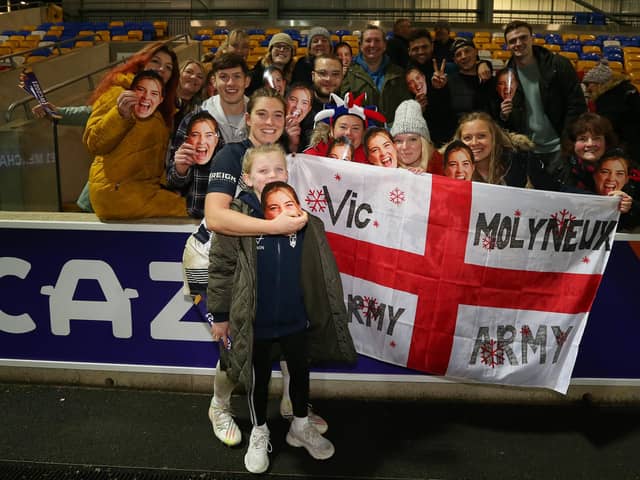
63 308
167 325
15 267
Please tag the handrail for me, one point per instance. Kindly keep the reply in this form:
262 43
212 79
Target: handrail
26 100
57 45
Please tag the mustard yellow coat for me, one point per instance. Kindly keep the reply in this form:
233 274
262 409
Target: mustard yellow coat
127 173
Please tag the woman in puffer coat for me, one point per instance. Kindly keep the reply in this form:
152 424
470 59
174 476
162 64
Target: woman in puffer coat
126 179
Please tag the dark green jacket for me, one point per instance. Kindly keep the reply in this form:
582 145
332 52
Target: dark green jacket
394 89
233 289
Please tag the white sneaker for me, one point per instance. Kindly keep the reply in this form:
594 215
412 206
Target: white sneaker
286 411
224 426
318 447
256 460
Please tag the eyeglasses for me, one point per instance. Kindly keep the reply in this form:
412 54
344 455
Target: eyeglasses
335 74
281 46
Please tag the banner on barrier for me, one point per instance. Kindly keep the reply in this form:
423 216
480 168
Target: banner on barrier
461 279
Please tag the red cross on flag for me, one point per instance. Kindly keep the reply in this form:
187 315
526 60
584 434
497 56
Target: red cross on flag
461 279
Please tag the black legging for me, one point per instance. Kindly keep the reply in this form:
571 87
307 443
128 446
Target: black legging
294 350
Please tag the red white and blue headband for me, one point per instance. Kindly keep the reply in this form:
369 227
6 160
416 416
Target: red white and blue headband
349 106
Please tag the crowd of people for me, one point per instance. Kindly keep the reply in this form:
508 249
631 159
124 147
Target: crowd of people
208 140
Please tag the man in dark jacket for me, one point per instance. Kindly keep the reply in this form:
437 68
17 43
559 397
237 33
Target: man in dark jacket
398 45
548 97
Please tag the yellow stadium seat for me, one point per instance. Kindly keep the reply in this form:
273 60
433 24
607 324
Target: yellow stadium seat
37 38
205 31
272 31
28 27
35 58
120 38
569 36
103 36
335 38
630 50
57 27
539 41
587 37
116 23
552 48
349 38
5 50
16 37
220 38
585 65
259 50
13 44
83 44
135 35
252 60
28 44
301 51
54 33
634 75
207 44
616 66
631 66
501 54
86 33
632 56
569 55
591 49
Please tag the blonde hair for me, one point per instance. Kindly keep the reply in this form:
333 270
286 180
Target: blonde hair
233 37
252 153
501 142
425 154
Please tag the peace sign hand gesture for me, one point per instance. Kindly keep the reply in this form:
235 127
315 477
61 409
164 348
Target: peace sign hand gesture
439 79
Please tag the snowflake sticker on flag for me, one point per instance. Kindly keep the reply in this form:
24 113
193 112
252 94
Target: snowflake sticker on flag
369 306
488 242
316 201
563 218
397 196
491 353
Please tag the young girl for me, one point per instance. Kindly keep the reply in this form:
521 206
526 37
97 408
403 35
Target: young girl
281 289
189 169
458 161
341 148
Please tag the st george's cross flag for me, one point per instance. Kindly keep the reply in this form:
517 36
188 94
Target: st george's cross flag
462 279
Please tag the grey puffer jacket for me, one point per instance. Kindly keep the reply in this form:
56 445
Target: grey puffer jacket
233 289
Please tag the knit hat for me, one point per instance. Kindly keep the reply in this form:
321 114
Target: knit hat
599 74
315 31
409 119
281 38
461 42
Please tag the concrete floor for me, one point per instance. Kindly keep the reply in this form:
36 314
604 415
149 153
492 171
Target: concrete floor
169 432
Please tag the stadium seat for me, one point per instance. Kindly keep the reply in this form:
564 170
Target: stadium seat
569 36
553 47
616 66
570 55
221 31
585 65
205 31
587 36
591 49
539 41
590 56
501 54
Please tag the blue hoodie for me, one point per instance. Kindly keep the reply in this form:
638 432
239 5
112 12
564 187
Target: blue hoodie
280 304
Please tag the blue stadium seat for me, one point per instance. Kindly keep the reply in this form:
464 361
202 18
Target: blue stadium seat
572 47
340 33
614 57
465 34
590 56
553 39
202 37
255 31
221 31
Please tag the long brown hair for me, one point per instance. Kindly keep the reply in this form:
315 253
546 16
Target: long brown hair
135 64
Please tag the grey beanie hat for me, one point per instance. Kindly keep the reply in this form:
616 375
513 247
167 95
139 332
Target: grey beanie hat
409 119
601 73
315 31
